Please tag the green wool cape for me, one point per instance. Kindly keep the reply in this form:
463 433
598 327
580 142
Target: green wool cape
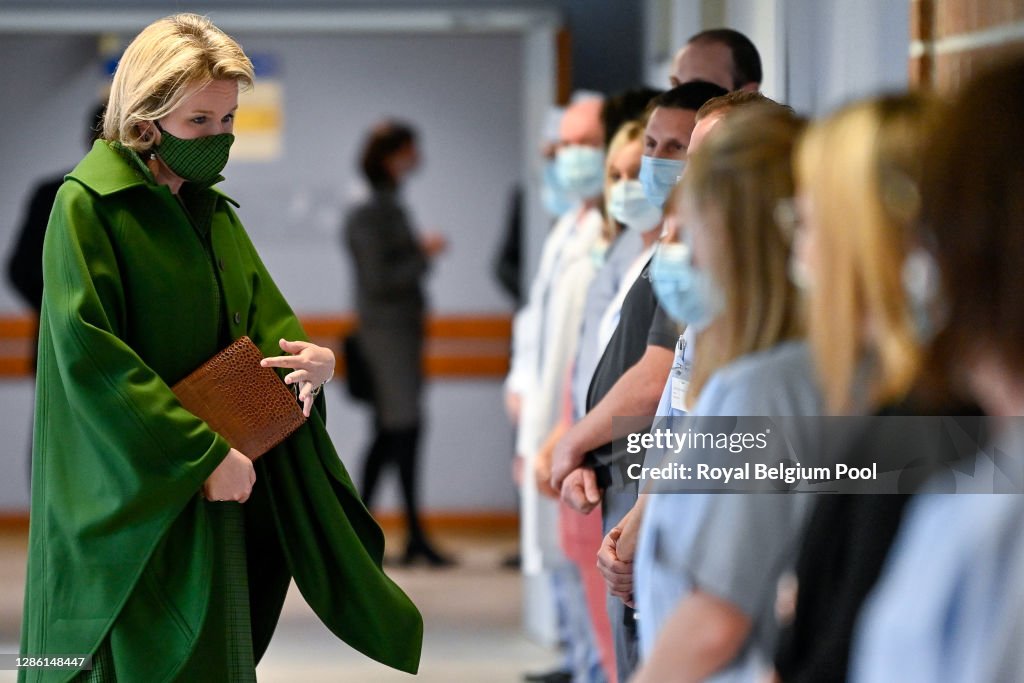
137 295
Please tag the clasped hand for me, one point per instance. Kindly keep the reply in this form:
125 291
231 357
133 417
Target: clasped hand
312 367
577 484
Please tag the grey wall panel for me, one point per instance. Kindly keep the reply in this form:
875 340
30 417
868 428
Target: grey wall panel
841 50
16 399
460 91
466 460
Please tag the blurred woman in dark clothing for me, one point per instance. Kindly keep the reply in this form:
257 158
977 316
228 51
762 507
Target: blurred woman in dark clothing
857 210
391 262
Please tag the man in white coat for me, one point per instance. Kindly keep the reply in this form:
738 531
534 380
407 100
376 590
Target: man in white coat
545 334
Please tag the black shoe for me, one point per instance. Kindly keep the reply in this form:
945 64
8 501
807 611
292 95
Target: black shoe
555 676
512 561
418 552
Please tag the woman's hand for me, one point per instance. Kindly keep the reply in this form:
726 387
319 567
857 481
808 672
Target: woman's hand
313 367
232 480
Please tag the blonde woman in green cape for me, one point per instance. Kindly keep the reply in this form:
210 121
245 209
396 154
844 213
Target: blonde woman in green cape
154 546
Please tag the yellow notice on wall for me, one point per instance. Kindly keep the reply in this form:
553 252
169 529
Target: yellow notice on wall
259 123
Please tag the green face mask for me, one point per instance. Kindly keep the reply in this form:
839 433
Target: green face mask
199 160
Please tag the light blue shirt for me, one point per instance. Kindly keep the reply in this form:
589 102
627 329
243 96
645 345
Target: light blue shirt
949 605
734 546
603 288
684 354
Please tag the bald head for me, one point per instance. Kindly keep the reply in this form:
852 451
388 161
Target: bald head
581 123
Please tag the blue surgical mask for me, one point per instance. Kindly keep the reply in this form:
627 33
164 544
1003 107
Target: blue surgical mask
580 170
627 203
689 295
658 177
554 197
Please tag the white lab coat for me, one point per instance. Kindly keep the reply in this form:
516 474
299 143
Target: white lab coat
545 336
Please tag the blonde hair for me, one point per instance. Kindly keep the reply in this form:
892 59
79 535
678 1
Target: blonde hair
628 132
859 168
160 66
735 181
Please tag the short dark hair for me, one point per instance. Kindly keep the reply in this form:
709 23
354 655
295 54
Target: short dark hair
746 62
738 98
691 95
384 140
623 107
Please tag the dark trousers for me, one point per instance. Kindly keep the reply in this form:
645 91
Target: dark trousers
397 447
615 503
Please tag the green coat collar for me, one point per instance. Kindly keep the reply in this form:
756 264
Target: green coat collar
110 168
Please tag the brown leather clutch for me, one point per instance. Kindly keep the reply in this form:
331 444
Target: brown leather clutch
247 404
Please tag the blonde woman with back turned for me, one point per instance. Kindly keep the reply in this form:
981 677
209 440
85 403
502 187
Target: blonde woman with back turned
858 172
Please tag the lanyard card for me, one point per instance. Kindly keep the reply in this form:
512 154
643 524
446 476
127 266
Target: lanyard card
680 376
